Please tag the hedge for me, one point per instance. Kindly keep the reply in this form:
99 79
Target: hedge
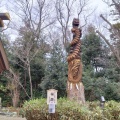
70 110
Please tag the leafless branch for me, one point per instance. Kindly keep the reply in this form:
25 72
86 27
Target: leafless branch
111 47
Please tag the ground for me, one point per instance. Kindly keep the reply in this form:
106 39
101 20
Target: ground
11 118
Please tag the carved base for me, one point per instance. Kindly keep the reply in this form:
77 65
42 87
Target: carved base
75 91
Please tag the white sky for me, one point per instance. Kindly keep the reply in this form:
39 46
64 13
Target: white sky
99 5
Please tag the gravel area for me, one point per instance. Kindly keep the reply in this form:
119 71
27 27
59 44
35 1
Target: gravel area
11 118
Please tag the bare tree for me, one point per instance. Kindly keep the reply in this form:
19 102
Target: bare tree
36 17
65 11
14 86
114 30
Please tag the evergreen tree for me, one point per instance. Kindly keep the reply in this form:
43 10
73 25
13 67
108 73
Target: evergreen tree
103 81
93 55
55 72
92 49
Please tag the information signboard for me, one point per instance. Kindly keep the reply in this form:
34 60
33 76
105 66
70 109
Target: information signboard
52 96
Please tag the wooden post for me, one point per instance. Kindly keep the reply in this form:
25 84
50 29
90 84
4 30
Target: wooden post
3 58
75 87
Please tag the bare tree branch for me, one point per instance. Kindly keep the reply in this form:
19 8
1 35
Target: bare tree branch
111 47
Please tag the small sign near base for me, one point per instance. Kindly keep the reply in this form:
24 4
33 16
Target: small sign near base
51 99
51 108
51 96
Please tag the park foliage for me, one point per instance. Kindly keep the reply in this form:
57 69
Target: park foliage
37 109
38 54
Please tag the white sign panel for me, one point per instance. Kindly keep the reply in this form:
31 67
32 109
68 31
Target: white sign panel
51 96
51 108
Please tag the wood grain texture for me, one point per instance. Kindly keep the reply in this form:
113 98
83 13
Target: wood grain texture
75 87
74 58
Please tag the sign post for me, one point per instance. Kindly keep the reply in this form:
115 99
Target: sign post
51 99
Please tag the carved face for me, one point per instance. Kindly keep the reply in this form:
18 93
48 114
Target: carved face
75 22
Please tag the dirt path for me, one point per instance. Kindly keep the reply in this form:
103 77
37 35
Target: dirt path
11 118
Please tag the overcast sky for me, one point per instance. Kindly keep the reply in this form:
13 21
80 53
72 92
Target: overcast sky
98 5
101 6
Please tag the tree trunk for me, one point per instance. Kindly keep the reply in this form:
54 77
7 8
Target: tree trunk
15 98
30 79
15 91
75 91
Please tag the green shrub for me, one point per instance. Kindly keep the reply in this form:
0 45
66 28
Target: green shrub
70 110
93 105
113 108
35 109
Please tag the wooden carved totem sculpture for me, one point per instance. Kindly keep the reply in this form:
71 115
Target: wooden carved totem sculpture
75 88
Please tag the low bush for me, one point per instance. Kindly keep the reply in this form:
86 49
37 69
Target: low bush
112 108
70 110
